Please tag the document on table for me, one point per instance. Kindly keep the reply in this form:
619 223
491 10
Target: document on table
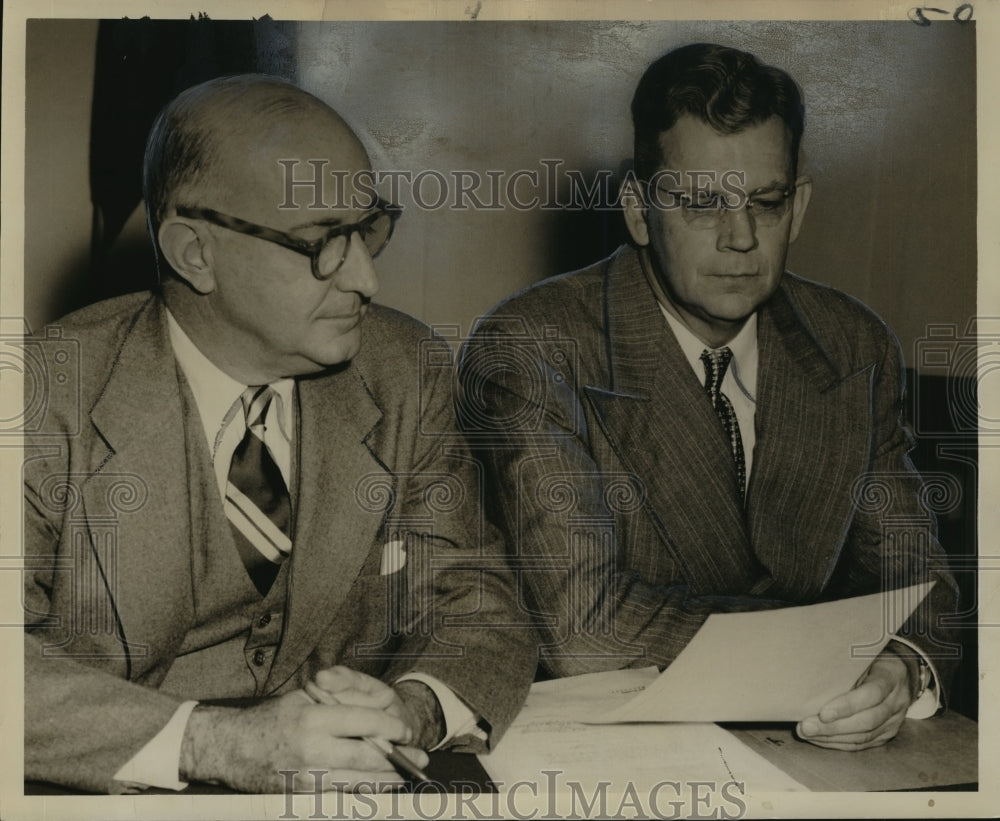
549 744
772 665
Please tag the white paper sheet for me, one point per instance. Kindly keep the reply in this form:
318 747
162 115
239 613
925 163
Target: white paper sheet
550 746
773 665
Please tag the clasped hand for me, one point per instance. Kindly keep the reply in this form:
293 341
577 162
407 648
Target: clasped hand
277 745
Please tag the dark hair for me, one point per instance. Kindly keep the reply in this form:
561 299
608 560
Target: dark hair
723 87
184 142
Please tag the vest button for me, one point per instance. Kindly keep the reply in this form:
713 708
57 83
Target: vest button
264 621
259 657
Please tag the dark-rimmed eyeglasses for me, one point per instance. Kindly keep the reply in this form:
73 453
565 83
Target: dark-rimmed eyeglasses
327 253
707 209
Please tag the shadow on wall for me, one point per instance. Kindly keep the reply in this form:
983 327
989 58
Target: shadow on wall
581 236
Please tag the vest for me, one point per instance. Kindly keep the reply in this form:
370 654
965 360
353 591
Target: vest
229 648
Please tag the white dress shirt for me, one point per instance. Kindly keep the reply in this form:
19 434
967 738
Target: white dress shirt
218 398
740 380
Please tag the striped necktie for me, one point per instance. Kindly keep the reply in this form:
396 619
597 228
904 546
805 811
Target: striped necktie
257 502
716 361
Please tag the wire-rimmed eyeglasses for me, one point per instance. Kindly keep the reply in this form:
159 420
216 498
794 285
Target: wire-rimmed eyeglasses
707 209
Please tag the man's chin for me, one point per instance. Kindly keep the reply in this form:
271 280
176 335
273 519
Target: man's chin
343 349
330 355
737 308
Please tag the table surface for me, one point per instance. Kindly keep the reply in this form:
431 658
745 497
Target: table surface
934 752
448 772
928 754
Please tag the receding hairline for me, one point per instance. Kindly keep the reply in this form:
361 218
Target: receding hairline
220 112
221 109
254 94
187 148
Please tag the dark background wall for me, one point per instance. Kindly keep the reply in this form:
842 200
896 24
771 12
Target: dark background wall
890 143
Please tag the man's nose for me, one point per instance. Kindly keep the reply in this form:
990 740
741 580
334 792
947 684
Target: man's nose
358 270
737 231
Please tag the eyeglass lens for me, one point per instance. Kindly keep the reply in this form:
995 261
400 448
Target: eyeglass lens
374 232
709 212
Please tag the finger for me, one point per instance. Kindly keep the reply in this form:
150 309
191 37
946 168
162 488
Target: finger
345 697
336 679
890 727
861 698
318 694
415 754
351 687
841 744
360 698
892 707
334 753
302 695
865 723
363 756
348 721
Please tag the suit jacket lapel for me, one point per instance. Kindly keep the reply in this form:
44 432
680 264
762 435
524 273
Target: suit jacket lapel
661 423
338 446
811 445
138 487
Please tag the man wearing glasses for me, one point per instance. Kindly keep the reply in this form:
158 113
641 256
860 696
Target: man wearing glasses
686 428
302 530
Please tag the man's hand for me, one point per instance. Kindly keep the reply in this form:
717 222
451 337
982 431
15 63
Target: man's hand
247 748
412 702
867 716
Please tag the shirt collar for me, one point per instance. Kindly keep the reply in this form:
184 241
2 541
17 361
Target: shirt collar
217 394
743 346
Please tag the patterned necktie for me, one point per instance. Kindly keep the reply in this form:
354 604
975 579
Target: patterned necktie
257 502
716 362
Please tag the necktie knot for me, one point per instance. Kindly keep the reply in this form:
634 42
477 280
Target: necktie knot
256 402
716 361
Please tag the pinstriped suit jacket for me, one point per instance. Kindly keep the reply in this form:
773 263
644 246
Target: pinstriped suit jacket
114 522
613 479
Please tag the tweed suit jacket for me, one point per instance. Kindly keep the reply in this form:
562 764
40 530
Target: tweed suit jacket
113 524
612 476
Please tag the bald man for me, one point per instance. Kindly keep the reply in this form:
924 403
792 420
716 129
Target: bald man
254 495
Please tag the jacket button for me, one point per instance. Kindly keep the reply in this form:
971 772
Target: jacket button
259 657
264 621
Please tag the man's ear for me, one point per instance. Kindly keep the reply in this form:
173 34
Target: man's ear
800 201
186 249
634 210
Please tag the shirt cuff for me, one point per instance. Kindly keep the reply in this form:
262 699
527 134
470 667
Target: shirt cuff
459 719
158 763
928 702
